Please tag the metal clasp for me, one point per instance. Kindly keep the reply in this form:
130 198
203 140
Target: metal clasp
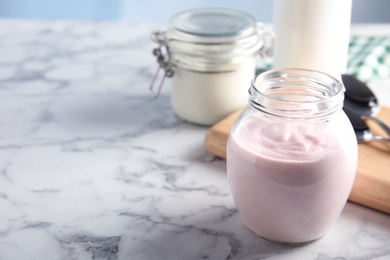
267 50
164 62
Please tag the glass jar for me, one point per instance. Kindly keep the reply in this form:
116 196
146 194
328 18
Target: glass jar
211 56
292 155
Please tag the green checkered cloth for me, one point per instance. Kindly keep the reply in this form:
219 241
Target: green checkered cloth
368 58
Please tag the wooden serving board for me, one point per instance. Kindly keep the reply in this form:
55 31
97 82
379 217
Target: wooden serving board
372 182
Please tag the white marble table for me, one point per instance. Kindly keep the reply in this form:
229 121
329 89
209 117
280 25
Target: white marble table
92 168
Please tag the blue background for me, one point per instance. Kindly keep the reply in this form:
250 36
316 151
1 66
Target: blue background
363 11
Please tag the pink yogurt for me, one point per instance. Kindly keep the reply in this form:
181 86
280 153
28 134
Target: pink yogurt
289 182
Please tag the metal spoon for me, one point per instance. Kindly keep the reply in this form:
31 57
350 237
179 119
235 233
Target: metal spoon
359 97
361 103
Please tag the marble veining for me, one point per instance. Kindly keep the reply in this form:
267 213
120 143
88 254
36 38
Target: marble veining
92 168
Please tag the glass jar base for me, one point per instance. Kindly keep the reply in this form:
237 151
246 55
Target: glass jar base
297 244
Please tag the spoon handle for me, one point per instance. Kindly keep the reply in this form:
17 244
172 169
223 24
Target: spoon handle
374 139
379 123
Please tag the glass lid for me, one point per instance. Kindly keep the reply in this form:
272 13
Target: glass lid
214 23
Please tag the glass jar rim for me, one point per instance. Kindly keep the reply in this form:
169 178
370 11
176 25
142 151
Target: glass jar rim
296 93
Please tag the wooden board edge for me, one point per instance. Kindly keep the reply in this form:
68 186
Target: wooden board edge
216 148
371 193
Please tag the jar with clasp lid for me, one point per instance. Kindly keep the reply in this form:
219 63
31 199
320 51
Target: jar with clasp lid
210 55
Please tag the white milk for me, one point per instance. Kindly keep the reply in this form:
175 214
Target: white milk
312 34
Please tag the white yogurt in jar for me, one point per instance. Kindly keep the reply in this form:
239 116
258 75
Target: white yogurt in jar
206 98
212 54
